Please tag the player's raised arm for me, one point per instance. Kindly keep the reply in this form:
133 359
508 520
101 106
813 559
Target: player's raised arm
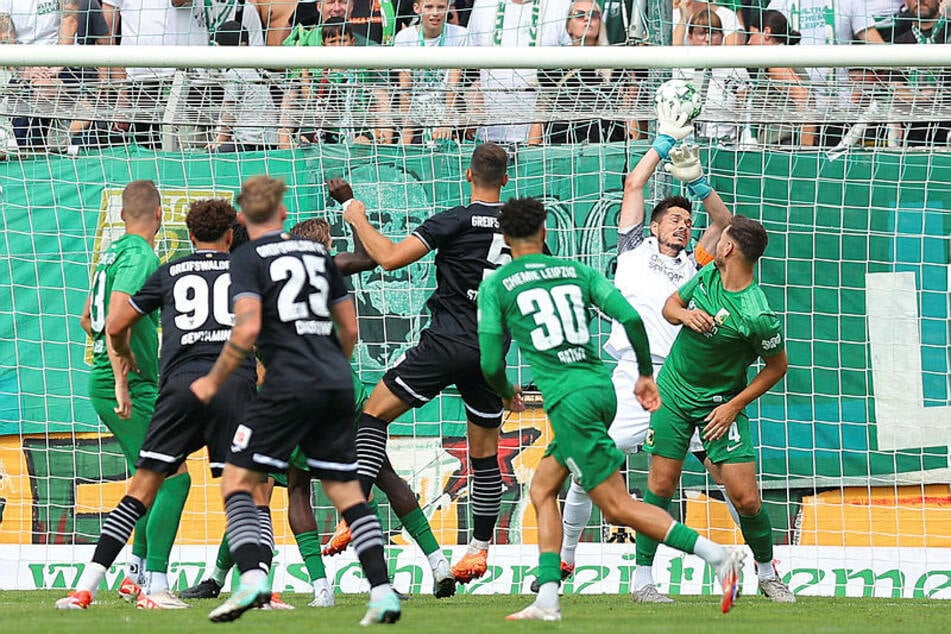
356 261
381 249
685 166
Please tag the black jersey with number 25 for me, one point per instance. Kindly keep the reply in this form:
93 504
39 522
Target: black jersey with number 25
468 247
193 293
297 283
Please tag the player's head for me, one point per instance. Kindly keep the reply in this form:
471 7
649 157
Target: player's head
337 32
523 220
488 166
316 229
705 28
142 206
262 200
334 9
239 235
671 223
770 27
584 24
744 238
432 16
210 222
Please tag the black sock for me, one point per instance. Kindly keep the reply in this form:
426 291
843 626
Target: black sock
116 530
267 535
486 496
367 542
371 449
244 531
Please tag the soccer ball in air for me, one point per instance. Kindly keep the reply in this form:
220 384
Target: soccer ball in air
680 95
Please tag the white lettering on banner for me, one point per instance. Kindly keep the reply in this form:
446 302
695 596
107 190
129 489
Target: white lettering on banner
601 569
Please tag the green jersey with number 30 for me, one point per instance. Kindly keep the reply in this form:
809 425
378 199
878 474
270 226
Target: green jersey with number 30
543 301
123 268
704 370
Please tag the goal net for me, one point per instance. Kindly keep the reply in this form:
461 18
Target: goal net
848 168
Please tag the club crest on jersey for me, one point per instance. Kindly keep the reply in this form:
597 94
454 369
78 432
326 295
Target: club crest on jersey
242 436
721 316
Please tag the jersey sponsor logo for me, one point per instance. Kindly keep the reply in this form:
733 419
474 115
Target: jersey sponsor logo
772 342
572 355
313 327
242 436
673 271
192 266
487 222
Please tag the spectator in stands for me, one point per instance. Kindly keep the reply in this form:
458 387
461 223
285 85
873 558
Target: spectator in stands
723 89
248 118
378 20
351 105
508 95
208 18
40 23
778 90
624 21
732 28
579 93
307 31
91 27
428 96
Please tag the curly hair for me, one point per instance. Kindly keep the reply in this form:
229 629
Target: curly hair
208 220
522 217
316 229
240 236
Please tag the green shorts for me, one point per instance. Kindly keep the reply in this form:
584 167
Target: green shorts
580 423
672 427
131 432
298 459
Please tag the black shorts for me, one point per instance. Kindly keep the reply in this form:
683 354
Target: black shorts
436 362
182 424
320 421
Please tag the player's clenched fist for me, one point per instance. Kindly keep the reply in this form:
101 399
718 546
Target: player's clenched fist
340 190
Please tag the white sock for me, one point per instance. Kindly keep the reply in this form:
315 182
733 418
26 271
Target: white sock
643 576
575 516
547 596
436 558
378 592
765 570
713 554
319 585
135 567
476 545
158 581
219 575
91 577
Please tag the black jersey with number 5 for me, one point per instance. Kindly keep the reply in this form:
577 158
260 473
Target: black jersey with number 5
194 295
297 283
468 247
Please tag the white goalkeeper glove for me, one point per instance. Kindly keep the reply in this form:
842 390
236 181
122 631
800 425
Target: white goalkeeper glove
672 126
685 166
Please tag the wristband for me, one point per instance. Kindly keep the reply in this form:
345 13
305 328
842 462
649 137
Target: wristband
346 203
699 188
663 144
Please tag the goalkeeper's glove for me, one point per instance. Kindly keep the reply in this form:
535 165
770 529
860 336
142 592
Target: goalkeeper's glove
672 126
685 167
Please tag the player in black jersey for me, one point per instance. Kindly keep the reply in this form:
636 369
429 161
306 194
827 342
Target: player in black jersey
468 246
290 301
192 293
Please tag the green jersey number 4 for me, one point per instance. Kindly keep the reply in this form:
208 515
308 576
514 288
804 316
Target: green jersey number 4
559 314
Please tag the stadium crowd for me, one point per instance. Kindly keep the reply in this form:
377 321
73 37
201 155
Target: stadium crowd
247 109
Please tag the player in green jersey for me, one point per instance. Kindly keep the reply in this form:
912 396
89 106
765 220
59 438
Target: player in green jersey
125 400
728 326
543 303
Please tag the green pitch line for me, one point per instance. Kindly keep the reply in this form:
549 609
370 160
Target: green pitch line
32 612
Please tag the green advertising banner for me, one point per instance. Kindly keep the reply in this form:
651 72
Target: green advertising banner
830 223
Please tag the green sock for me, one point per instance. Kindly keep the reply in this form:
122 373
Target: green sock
163 521
549 568
646 547
681 538
140 542
419 529
223 562
309 546
758 534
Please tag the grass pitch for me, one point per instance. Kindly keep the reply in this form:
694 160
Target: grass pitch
33 612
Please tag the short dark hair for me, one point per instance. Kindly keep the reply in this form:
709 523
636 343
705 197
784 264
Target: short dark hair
209 220
661 209
522 217
239 237
231 33
488 165
335 27
749 235
316 229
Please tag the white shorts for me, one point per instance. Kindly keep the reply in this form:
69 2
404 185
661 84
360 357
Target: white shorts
631 421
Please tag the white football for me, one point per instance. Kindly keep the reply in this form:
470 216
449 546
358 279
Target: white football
680 95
